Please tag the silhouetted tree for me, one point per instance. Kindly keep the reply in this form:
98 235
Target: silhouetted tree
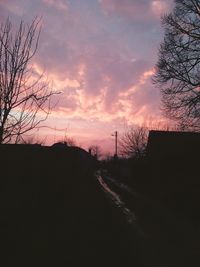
22 93
178 66
133 142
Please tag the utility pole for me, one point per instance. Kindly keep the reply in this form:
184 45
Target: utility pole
116 143
116 134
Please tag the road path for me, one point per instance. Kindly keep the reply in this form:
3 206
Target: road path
171 240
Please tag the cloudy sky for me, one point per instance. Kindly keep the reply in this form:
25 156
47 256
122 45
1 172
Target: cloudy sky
101 55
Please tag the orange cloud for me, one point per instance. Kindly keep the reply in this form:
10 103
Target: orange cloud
93 107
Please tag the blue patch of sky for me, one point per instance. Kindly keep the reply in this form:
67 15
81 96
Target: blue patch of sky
136 38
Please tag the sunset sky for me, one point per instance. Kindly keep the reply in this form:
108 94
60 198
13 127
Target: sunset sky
101 55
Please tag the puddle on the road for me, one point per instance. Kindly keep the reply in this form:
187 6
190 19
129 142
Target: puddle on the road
130 216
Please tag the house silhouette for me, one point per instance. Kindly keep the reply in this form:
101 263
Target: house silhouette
174 157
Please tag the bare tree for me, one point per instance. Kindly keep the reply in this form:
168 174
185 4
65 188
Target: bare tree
133 142
22 94
178 66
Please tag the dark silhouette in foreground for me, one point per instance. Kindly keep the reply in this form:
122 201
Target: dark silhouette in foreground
164 193
173 158
54 213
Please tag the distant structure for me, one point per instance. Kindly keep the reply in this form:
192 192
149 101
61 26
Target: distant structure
19 147
177 151
167 144
60 145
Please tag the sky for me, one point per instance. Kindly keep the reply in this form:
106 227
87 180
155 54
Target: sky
101 55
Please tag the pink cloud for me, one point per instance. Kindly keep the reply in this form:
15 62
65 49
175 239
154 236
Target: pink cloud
138 9
102 64
59 4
